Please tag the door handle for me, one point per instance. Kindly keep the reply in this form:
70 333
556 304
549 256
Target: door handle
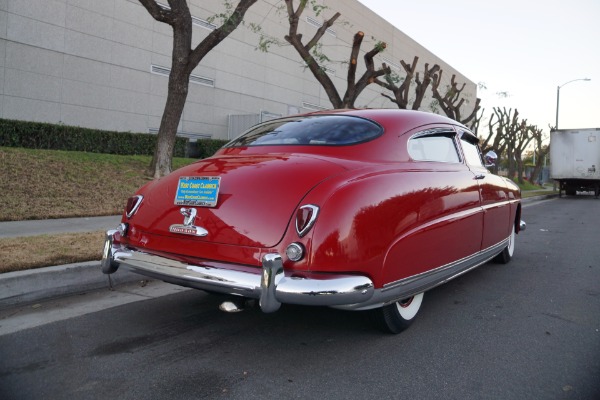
480 176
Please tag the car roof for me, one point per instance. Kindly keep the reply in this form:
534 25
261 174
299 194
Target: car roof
409 117
395 123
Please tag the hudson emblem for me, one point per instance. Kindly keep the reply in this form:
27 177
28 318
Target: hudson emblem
189 215
188 227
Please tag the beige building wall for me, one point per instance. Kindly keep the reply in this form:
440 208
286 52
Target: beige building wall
104 64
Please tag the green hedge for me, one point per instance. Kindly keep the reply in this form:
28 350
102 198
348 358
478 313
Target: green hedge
204 148
37 135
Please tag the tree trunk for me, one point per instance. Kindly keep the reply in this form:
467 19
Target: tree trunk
167 133
520 168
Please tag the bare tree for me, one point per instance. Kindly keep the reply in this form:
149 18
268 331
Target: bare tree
522 139
540 152
309 51
476 122
183 61
402 93
501 128
452 101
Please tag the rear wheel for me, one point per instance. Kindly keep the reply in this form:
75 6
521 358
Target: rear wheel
396 317
509 250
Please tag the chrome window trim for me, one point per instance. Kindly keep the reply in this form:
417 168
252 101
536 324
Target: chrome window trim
433 132
448 131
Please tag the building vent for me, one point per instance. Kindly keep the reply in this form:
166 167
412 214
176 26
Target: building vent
160 70
327 70
317 24
330 71
201 80
267 116
195 20
192 136
391 63
237 124
311 106
203 24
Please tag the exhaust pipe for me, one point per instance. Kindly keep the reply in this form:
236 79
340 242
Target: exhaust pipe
235 305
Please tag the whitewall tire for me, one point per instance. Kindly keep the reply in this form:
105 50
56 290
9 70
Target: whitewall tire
396 317
509 250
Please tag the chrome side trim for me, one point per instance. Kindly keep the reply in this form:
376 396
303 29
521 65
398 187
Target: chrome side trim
416 284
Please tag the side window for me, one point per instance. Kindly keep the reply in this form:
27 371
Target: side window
472 154
437 147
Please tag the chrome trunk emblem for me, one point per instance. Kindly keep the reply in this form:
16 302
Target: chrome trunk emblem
188 227
189 215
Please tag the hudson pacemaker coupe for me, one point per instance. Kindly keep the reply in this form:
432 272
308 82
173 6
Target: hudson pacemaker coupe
352 209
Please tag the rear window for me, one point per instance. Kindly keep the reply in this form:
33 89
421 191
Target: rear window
319 130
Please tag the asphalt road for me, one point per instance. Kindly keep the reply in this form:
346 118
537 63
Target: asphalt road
526 330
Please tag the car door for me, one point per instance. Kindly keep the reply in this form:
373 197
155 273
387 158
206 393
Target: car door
443 199
492 191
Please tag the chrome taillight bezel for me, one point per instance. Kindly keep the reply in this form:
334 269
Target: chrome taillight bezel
137 201
313 211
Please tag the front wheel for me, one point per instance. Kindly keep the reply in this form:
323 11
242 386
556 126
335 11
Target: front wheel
509 250
396 317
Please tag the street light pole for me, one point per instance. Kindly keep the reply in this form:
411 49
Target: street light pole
558 96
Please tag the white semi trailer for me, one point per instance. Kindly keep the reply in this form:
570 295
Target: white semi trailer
575 160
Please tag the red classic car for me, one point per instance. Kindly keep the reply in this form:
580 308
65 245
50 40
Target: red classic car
353 209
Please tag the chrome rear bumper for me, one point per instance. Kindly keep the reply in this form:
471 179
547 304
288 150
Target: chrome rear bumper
269 284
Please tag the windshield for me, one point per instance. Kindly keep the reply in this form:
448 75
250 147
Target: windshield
319 130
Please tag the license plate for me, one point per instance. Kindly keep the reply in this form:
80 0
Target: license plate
200 191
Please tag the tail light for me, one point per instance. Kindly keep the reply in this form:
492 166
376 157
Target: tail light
305 218
295 251
133 203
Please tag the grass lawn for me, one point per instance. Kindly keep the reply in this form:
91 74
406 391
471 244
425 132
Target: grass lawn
43 184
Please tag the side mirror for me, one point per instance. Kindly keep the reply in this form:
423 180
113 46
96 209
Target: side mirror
491 158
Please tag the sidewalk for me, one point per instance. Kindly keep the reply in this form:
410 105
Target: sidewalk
53 226
29 286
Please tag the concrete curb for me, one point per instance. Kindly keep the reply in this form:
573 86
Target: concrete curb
526 200
22 287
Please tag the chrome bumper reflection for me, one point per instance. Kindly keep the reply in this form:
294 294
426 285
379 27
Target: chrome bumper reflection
270 284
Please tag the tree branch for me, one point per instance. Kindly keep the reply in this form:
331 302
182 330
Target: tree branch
321 31
217 36
157 12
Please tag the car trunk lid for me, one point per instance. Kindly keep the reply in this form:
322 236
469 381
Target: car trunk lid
257 197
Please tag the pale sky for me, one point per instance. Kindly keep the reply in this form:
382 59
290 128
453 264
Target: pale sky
526 48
